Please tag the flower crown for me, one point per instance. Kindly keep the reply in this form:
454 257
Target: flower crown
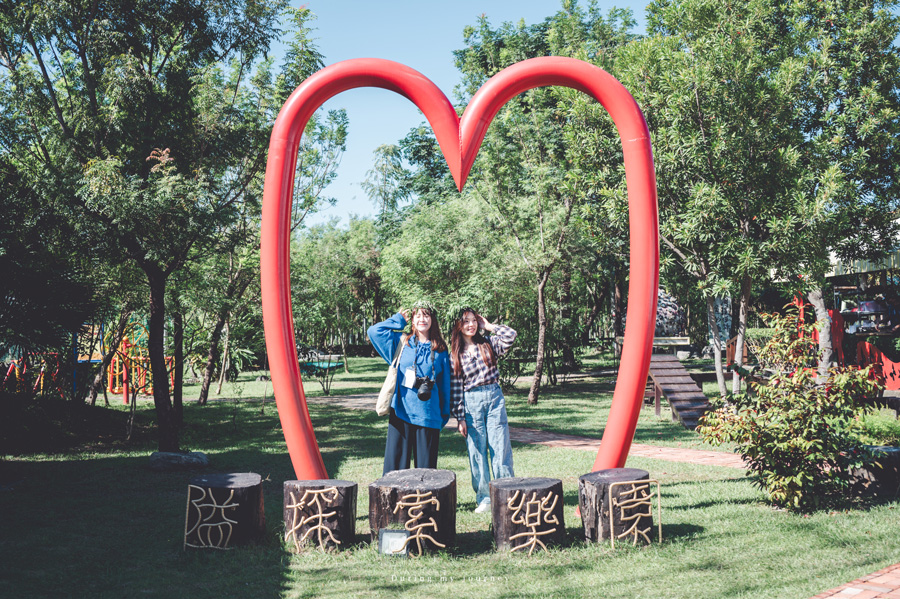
423 305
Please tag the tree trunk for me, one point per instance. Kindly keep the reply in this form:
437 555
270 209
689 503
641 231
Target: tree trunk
224 369
178 359
735 319
565 313
212 357
716 344
168 431
422 500
320 513
527 513
746 285
618 312
826 348
535 390
627 515
344 352
115 340
224 510
591 319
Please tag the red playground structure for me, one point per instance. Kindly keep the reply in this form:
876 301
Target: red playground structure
129 371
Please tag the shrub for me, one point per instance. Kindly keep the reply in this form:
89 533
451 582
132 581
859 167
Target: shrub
878 428
756 339
797 437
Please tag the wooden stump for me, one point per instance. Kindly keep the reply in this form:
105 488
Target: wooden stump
422 500
629 516
527 513
224 510
321 513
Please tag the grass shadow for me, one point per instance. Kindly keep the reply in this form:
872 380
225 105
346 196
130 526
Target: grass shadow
94 538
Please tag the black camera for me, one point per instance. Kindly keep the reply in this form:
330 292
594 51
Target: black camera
424 386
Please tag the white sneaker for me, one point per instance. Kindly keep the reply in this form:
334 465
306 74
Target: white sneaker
483 507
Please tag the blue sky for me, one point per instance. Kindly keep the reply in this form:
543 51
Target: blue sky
419 33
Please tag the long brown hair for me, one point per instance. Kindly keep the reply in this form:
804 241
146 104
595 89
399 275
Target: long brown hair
456 344
434 332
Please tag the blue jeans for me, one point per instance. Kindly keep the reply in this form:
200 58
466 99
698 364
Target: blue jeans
487 429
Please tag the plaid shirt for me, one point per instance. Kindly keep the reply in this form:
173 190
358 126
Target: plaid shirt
475 372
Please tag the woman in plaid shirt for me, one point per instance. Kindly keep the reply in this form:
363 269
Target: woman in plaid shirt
477 401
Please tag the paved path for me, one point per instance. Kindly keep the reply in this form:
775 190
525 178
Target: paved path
884 584
670 454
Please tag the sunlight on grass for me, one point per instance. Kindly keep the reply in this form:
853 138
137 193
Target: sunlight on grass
97 522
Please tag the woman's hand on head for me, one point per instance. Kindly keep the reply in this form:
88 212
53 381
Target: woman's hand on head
484 324
405 313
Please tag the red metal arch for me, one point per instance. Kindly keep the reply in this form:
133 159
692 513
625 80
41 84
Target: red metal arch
459 140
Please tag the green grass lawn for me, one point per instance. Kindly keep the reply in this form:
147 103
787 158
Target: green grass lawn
574 407
94 521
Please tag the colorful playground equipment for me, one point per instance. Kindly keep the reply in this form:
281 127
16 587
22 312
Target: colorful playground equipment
130 369
48 375
17 378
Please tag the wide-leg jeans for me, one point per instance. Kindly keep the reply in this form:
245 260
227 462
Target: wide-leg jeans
487 431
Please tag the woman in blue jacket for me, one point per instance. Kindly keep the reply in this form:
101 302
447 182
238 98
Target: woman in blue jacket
416 416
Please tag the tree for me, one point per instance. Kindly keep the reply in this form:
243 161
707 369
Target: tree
450 253
326 293
773 128
109 120
254 104
718 88
849 113
45 289
364 260
524 168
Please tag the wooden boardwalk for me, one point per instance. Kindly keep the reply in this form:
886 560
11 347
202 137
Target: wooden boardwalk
669 378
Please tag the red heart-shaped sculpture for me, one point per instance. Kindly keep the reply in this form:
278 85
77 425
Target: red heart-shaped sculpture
459 139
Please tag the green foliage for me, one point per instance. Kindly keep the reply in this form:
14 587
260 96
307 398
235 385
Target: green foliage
876 427
386 182
797 437
45 291
453 255
333 281
757 339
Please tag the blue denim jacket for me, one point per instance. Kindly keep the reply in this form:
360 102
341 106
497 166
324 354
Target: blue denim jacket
433 413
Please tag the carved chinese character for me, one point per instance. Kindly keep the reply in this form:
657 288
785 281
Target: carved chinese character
635 509
314 503
534 514
416 523
207 524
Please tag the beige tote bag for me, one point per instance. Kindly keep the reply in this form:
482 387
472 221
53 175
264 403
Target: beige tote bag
383 403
